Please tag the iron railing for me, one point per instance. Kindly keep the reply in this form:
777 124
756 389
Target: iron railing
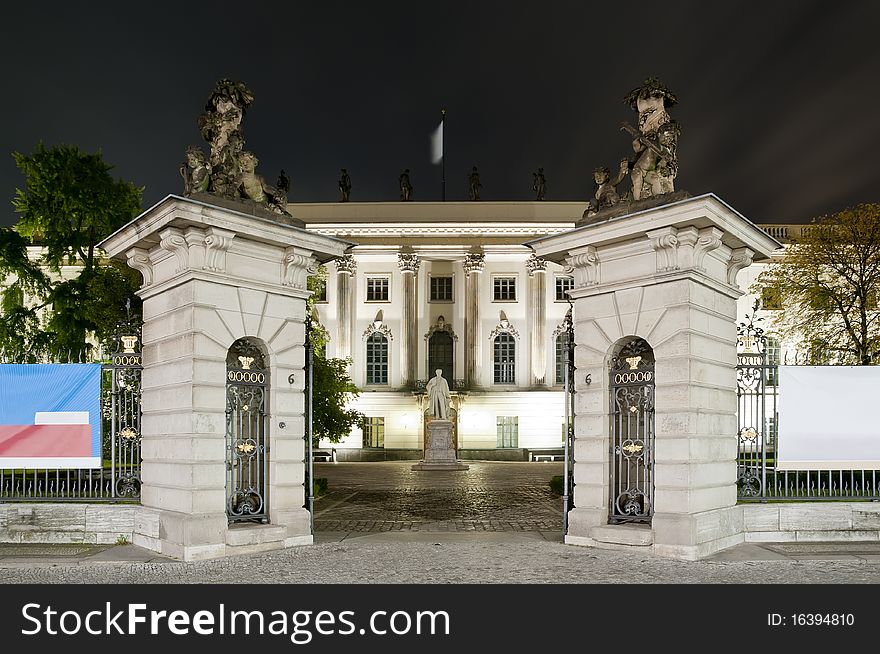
758 478
118 479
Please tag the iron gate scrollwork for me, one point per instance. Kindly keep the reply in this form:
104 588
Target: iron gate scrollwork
632 433
247 387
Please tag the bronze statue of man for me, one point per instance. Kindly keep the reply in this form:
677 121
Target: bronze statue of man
345 186
406 187
539 184
474 184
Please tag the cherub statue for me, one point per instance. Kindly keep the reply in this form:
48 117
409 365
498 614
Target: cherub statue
251 185
196 171
474 184
606 188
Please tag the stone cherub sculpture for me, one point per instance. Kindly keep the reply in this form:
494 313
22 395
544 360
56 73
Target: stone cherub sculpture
254 187
606 187
438 396
406 187
196 172
345 186
655 141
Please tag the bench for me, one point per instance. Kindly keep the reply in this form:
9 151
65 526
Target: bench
546 455
323 455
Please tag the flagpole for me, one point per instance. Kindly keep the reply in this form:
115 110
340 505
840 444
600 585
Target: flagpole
443 155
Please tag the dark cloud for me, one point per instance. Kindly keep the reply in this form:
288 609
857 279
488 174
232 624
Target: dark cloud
777 101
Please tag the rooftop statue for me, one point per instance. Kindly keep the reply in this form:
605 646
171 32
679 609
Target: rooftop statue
655 165
539 185
229 171
345 186
406 187
474 185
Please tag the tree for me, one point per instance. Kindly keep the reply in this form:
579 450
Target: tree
333 391
828 283
69 204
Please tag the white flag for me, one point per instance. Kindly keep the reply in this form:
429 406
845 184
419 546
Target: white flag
437 144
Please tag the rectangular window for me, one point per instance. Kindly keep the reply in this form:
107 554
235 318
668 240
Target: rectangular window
374 432
561 357
440 289
504 289
504 359
377 359
773 360
508 431
563 285
377 289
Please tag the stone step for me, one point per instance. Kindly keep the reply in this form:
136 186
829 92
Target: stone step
247 534
623 534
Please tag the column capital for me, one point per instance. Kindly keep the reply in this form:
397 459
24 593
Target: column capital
408 262
535 264
474 262
346 264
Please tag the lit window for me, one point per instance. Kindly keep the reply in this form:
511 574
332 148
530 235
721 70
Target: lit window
377 359
504 289
441 289
377 289
561 355
374 432
505 359
563 285
508 431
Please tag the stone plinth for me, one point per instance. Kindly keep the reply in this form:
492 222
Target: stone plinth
439 448
211 276
666 275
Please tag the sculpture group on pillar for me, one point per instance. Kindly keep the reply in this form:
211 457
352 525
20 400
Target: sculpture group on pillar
654 167
229 171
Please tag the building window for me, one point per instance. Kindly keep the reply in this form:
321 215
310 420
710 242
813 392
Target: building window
377 289
505 359
508 431
561 355
440 289
563 285
377 359
321 290
772 432
504 289
773 360
771 299
374 432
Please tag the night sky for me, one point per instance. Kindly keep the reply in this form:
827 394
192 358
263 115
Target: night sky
779 102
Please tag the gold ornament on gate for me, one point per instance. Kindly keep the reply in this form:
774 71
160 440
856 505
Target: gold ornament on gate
246 362
633 362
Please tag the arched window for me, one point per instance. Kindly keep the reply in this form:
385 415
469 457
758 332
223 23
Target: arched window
377 359
561 353
505 359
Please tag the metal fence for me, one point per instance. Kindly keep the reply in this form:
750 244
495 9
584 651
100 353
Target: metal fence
758 478
118 480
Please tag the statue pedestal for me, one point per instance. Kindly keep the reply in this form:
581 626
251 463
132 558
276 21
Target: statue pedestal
439 449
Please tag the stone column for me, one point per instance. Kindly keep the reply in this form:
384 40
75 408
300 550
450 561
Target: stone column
473 267
346 267
666 275
409 344
537 268
212 276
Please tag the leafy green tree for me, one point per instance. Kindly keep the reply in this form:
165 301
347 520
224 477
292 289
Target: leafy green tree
69 204
332 417
827 284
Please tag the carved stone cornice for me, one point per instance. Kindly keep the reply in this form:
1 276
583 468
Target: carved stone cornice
139 259
665 244
739 259
535 264
710 239
346 264
408 262
217 243
379 327
441 326
474 262
172 240
585 267
296 268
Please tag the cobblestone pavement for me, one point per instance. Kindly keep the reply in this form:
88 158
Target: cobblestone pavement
390 496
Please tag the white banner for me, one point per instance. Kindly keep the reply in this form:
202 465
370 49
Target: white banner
828 418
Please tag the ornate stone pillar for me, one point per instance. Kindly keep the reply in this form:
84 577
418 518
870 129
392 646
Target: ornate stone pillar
473 266
409 351
537 268
346 267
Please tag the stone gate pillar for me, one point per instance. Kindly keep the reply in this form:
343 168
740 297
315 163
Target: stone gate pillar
666 275
213 275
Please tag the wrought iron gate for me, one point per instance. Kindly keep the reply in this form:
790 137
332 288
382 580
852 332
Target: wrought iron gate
247 385
632 433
